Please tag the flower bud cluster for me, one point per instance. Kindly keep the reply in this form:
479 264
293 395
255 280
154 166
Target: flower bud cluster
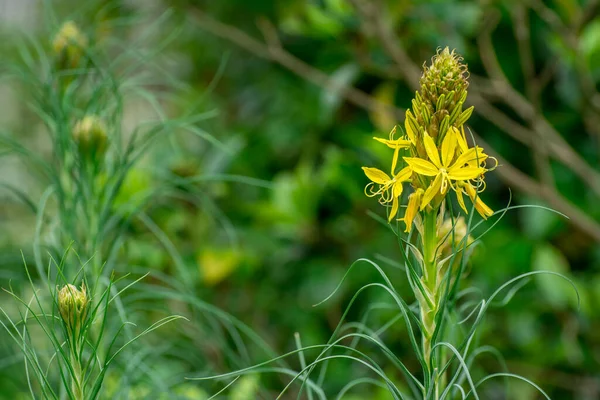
73 305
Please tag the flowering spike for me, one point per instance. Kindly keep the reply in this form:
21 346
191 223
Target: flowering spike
438 155
444 80
438 161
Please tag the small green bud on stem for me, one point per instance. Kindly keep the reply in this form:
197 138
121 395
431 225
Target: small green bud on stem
68 45
89 134
73 305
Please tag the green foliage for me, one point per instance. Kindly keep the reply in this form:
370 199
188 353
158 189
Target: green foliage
253 173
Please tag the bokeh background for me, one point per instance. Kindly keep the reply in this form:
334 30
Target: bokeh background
294 91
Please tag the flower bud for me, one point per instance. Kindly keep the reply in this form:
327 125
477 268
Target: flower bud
90 136
68 45
445 80
73 305
451 239
442 94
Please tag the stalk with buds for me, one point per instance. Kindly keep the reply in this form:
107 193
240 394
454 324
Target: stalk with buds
435 159
79 97
73 306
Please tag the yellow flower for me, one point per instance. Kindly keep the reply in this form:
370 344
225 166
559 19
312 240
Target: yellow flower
443 169
389 189
414 201
479 157
460 138
396 144
480 206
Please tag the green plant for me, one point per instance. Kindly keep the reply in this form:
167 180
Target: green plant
83 336
442 323
84 213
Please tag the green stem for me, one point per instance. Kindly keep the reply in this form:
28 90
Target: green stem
77 381
429 309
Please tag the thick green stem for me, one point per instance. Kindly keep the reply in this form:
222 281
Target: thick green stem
77 378
429 307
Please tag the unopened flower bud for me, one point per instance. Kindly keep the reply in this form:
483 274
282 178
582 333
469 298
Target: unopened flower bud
90 135
68 45
451 235
447 76
452 239
73 305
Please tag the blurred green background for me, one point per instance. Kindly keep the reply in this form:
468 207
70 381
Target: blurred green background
295 91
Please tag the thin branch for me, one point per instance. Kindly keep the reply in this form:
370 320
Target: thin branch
279 55
373 15
589 13
549 137
526 136
510 174
526 184
571 40
556 145
540 153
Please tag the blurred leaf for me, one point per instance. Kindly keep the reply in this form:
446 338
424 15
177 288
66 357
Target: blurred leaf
522 390
321 22
311 20
569 9
590 46
191 392
537 222
134 189
245 388
296 195
383 119
339 7
557 291
342 77
148 254
217 264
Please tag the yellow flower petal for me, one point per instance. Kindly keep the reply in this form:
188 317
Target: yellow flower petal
394 210
384 141
397 189
422 167
460 137
394 144
432 151
431 191
414 201
474 157
404 174
448 148
408 126
376 175
480 206
483 209
470 191
395 160
464 173
461 200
